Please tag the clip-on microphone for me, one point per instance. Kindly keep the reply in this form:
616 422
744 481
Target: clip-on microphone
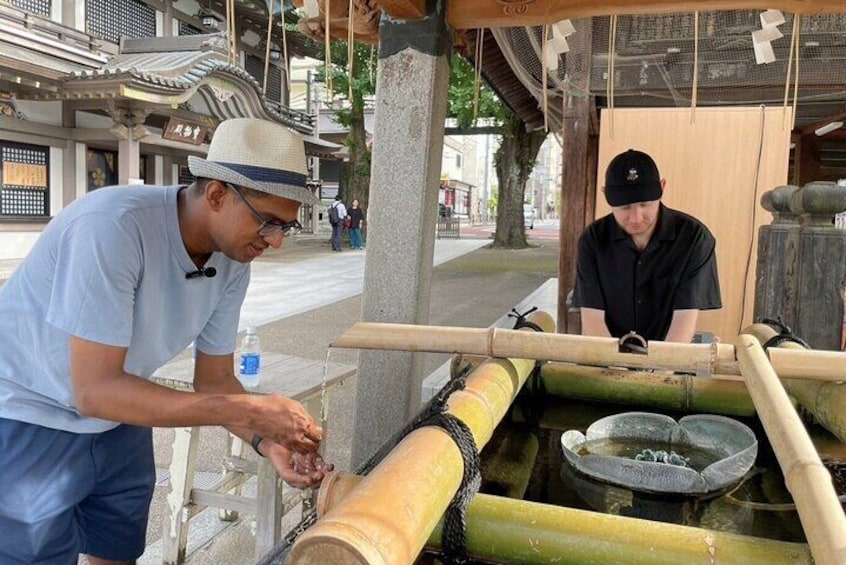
207 272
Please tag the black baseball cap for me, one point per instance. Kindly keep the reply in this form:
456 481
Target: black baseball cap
632 177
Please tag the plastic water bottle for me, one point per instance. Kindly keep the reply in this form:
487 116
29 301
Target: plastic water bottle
250 359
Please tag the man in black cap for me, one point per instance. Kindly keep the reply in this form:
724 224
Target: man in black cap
644 267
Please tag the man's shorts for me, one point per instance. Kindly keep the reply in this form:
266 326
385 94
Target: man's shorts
65 493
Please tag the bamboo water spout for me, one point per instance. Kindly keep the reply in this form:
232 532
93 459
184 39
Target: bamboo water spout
388 517
517 532
808 481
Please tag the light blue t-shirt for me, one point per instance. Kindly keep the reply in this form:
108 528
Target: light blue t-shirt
110 269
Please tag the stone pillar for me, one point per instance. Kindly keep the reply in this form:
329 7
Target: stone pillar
801 272
411 97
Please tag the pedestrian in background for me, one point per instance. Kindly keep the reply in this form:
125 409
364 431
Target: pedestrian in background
337 213
356 219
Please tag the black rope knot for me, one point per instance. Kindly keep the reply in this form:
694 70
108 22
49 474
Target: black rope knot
454 537
784 335
521 321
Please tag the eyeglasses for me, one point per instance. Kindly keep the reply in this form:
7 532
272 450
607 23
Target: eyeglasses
269 228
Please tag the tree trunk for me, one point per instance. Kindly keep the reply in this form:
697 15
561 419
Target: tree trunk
514 161
358 167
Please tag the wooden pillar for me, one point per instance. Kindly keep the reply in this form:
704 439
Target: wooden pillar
167 19
807 159
577 190
71 157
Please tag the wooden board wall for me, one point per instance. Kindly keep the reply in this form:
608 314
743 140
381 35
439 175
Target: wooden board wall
712 169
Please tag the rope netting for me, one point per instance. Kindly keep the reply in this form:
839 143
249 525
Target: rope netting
686 59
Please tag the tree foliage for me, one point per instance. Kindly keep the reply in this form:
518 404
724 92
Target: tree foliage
462 89
349 113
514 158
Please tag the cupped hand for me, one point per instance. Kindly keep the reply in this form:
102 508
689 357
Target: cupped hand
286 422
296 469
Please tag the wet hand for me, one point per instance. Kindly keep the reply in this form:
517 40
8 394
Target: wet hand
287 423
296 469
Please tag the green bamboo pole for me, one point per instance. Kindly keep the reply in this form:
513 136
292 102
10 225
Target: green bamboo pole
807 479
825 400
717 395
517 532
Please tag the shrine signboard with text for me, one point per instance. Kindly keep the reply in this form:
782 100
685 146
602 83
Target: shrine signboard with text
181 130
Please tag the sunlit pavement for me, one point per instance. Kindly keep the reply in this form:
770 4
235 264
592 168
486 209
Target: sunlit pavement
544 229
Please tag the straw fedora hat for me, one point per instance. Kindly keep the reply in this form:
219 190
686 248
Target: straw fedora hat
258 154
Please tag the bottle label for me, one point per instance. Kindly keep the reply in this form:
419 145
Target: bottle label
250 363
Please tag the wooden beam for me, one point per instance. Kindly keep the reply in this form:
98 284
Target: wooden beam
404 9
807 162
811 128
575 181
509 13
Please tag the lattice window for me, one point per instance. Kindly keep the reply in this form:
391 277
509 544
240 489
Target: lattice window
255 67
274 87
40 7
25 189
188 29
113 19
185 176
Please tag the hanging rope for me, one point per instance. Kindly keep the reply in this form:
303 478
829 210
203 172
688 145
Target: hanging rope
477 71
330 91
232 55
695 94
797 19
612 49
350 50
545 71
370 64
267 47
793 42
285 50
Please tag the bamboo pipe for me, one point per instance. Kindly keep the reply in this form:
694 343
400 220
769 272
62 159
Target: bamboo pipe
389 516
701 359
825 400
807 479
717 395
517 532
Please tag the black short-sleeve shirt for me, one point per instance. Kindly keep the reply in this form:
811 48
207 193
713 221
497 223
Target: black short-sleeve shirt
640 291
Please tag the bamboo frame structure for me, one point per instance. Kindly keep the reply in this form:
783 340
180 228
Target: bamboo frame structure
807 479
701 359
389 516
824 400
518 532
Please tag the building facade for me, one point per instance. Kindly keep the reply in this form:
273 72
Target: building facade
101 92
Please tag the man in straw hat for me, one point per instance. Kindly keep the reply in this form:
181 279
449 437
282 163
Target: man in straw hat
119 283
644 267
